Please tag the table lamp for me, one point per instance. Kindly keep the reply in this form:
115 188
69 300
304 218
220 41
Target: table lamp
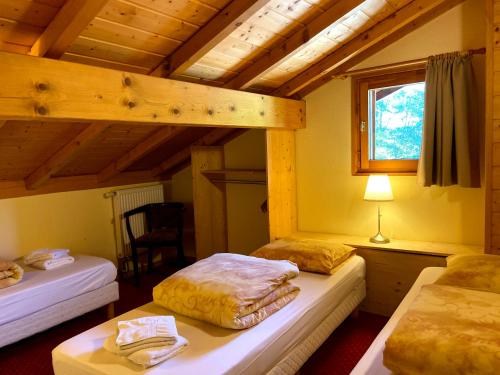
378 189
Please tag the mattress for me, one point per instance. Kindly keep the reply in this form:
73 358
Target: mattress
40 289
372 361
215 350
58 313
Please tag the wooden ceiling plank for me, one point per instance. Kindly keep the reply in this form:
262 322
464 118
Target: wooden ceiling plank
208 36
151 143
291 45
63 156
35 88
211 138
366 39
69 22
377 47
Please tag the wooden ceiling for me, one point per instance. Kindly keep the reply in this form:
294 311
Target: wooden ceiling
283 48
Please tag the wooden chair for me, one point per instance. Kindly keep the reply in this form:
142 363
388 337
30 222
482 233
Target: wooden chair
164 224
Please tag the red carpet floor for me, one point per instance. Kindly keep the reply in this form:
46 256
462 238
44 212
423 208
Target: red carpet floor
337 356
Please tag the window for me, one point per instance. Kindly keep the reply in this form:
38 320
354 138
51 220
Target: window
388 111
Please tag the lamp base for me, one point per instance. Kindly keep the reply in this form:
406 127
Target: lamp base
379 238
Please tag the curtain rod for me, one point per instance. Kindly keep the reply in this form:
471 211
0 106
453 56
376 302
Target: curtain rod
415 64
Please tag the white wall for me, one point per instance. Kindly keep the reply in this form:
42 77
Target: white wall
330 199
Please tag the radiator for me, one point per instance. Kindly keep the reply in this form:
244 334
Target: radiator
125 200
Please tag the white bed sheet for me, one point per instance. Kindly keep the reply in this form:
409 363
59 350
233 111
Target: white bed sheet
40 289
213 350
372 361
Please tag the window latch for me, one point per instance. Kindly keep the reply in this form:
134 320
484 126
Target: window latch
363 126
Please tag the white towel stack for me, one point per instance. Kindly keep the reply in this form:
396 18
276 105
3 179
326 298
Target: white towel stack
146 341
47 259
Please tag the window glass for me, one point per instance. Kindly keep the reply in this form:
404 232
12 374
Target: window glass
395 117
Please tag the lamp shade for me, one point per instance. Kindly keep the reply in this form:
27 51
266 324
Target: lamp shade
378 188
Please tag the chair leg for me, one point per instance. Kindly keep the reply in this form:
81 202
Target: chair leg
135 262
180 254
150 259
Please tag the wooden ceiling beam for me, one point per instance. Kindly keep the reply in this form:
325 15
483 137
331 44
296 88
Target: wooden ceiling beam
365 40
209 139
64 156
208 36
343 68
291 45
17 188
151 143
35 88
69 22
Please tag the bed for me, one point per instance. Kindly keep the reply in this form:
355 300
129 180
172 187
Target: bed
278 345
44 299
371 362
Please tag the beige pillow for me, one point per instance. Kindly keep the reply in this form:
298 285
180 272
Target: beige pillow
309 255
480 272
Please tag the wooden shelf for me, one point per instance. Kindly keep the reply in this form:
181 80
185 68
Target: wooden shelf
237 176
403 246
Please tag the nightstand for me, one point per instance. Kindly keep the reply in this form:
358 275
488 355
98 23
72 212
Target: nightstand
391 269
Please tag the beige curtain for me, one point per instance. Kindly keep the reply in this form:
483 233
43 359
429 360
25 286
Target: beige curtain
450 144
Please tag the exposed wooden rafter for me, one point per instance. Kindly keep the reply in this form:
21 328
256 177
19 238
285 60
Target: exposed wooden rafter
35 88
380 45
155 140
365 40
11 189
65 155
73 17
291 45
211 138
206 38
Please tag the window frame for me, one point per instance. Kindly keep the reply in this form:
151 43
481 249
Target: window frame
361 163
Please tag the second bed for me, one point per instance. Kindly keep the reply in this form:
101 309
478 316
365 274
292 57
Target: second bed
278 345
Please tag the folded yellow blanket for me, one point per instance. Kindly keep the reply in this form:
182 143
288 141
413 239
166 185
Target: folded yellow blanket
229 290
10 273
447 330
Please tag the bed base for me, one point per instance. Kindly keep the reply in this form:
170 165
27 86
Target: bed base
58 313
293 361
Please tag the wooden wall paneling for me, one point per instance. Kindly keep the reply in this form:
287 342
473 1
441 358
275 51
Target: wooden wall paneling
126 36
391 24
209 201
127 13
88 60
492 175
28 12
63 156
35 88
151 143
69 22
292 44
98 49
211 138
218 28
281 183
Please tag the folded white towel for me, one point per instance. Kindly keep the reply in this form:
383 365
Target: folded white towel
53 263
45 254
110 345
153 356
146 330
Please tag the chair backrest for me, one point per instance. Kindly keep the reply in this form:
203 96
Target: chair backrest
168 215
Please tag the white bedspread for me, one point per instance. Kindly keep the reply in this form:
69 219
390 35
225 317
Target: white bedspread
40 289
372 361
213 350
